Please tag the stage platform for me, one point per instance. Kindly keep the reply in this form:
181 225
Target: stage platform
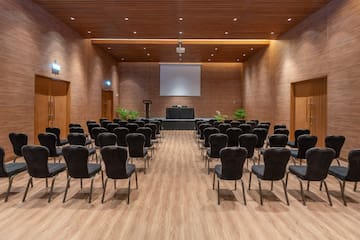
179 124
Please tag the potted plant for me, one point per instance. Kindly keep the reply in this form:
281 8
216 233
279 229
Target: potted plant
123 113
133 114
240 114
220 117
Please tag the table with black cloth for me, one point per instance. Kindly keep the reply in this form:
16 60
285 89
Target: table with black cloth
180 113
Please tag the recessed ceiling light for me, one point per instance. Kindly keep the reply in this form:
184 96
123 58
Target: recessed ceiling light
289 19
209 60
235 19
144 48
272 33
252 49
180 59
238 60
89 32
244 55
109 48
126 19
180 18
216 49
148 54
134 32
212 54
72 18
226 33
180 33
122 59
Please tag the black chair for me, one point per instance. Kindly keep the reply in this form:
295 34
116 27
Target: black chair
48 140
231 168
147 132
246 128
71 125
80 130
274 168
95 132
304 143
207 133
200 136
297 134
265 126
121 133
223 127
76 158
140 123
233 135
261 134
91 126
112 126
105 123
90 121
350 174
336 143
122 123
36 158
248 141
80 139
18 140
282 131
318 163
136 145
132 127
217 142
9 170
252 123
106 139
235 124
117 167
278 140
277 126
56 131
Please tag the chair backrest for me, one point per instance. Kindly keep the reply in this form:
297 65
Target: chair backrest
232 162
55 131
318 163
147 132
223 127
278 140
76 158
2 168
233 134
305 142
262 125
106 139
354 165
336 143
140 123
48 140
277 126
252 123
282 131
76 139
36 158
132 127
105 123
158 125
90 121
76 130
122 123
235 124
121 133
115 159
112 126
261 134
91 126
18 140
217 142
275 160
96 131
202 127
207 132
74 125
246 128
136 144
248 141
298 133
153 127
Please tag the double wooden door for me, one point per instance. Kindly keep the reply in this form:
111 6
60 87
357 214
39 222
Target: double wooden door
309 107
107 104
52 105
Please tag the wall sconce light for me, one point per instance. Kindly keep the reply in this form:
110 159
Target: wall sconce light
55 68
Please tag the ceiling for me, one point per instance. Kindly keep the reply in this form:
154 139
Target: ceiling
181 19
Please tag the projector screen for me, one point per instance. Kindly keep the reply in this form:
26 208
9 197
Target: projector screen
180 79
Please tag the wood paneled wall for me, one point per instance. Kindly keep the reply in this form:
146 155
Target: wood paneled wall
30 40
326 44
220 89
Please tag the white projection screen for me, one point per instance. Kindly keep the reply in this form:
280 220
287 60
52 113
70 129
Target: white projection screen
180 79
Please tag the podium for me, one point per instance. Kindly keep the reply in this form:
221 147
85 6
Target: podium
147 107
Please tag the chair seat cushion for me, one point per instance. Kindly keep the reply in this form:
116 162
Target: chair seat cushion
299 171
291 144
58 151
56 168
258 170
14 168
294 153
93 168
130 169
218 171
92 151
338 172
262 151
63 142
88 142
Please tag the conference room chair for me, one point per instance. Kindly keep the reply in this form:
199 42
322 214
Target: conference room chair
223 127
347 174
276 140
147 132
106 139
212 121
80 139
48 140
71 125
132 126
261 134
282 131
304 143
265 123
246 128
122 123
112 126
227 121
136 147
336 143
117 167
252 123
231 168
80 130
216 124
206 144
121 133
56 131
153 127
105 123
233 134
9 171
90 127
145 120
241 121
198 122
217 142
318 162
274 168
18 140
76 158
90 121
265 126
140 123
95 132
297 134
248 141
103 119
235 124
201 132
277 126
36 158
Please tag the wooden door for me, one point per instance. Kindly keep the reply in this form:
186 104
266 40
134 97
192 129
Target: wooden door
42 114
107 105
60 106
309 107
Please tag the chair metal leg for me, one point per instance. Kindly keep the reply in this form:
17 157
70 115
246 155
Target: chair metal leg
342 188
104 190
27 188
260 191
321 183
144 165
102 178
327 193
355 186
272 185
243 190
308 186
15 158
136 179
218 192
128 200
302 192
9 187
338 161
214 181
208 165
46 183
285 192
91 188
66 188
81 183
114 183
235 185
287 177
250 180
51 189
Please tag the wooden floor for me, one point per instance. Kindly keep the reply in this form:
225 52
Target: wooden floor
175 200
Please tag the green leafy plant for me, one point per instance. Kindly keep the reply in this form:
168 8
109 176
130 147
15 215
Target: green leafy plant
123 113
220 117
133 114
240 113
